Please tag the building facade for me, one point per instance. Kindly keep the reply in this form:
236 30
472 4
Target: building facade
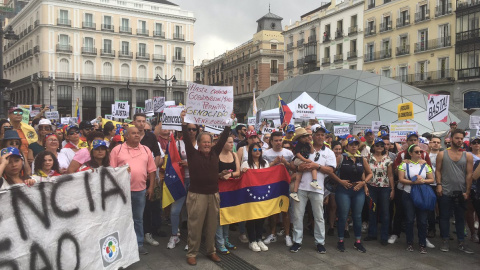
256 64
328 37
98 52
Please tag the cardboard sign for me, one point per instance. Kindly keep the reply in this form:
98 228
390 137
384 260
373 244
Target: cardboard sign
437 108
121 109
149 107
359 128
169 103
65 120
251 121
304 111
139 110
209 105
405 111
158 104
268 129
474 122
376 126
341 130
171 118
52 115
398 131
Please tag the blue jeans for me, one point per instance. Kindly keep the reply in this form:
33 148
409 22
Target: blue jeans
316 200
410 212
138 206
241 227
176 208
347 199
221 235
445 205
381 197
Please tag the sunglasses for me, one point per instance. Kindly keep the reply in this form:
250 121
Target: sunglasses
257 149
317 156
192 129
475 142
48 128
17 143
380 145
73 133
18 112
89 128
418 152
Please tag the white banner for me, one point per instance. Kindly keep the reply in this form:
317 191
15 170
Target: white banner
209 105
65 120
376 126
437 108
149 107
359 128
171 118
341 130
398 131
52 115
158 104
268 129
304 111
121 109
474 122
214 129
78 221
251 121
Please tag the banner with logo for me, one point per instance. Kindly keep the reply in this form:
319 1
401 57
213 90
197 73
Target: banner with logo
405 111
437 108
209 105
171 118
304 111
47 226
398 131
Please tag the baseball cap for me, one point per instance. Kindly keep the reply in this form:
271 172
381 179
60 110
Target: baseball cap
379 140
453 123
383 133
411 133
98 143
343 137
11 150
474 139
318 127
72 126
352 140
251 133
12 109
367 131
45 122
290 128
85 124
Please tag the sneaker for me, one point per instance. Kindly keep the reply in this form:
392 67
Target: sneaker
186 247
229 245
243 238
174 240
314 184
294 196
321 249
262 246
445 247
149 239
464 248
223 250
341 246
364 227
423 250
475 238
370 238
281 232
346 234
331 232
359 247
142 250
254 247
410 248
295 247
270 239
288 241
429 244
393 238
476 225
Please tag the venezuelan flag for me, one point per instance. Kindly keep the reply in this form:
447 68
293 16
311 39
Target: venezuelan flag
77 112
173 184
257 194
285 112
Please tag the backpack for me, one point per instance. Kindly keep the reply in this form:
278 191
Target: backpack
422 196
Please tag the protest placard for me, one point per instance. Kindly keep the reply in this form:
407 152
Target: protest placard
149 107
171 118
437 108
139 110
121 109
65 120
359 128
376 126
268 129
209 105
158 104
251 121
468 134
52 115
73 121
405 111
398 131
341 130
91 228
169 103
474 122
108 117
304 110
25 115
35 110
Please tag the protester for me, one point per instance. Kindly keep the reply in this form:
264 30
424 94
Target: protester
474 195
163 136
434 146
98 156
71 147
454 180
290 133
60 135
241 131
453 126
142 168
12 169
229 166
424 175
4 125
26 133
203 200
266 141
85 127
369 141
242 151
43 128
46 166
109 131
11 139
82 156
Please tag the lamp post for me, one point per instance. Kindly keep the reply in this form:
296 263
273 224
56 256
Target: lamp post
8 34
51 90
158 78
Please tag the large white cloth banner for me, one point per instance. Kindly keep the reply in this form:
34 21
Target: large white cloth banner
77 221
209 105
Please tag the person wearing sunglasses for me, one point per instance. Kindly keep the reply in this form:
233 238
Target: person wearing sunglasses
254 227
43 128
98 156
85 127
26 132
241 131
242 151
67 153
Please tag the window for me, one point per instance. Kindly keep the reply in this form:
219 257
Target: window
142 49
178 74
107 69
125 94
107 99
141 96
158 71
88 20
158 30
402 73
88 68
178 31
89 98
178 97
159 49
124 25
273 46
158 93
142 72
63 17
64 100
386 73
107 45
178 53
64 66
88 44
443 68
63 40
421 71
125 70
143 25
471 100
125 47
422 40
107 20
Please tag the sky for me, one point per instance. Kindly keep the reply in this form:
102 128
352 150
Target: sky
222 25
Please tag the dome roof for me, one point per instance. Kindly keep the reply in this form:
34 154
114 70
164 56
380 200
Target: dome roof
369 96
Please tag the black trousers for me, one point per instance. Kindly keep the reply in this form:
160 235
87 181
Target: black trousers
254 229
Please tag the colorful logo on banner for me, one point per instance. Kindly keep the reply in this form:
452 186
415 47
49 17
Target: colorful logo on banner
405 111
110 249
437 108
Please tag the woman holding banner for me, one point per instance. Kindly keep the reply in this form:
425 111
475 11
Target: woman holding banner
45 166
255 227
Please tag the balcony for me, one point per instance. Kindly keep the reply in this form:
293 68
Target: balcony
338 58
351 55
352 30
326 37
338 34
178 36
300 42
403 21
432 44
290 65
159 34
326 61
426 78
471 36
64 48
312 58
159 58
142 32
273 70
89 50
289 46
178 59
468 73
142 56
310 68
384 27
125 30
36 23
89 25
312 39
107 27
36 49
422 16
371 5
107 53
370 31
403 50
442 10
125 54
463 5
64 22
379 55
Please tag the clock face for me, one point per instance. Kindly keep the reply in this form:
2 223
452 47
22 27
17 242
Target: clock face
272 25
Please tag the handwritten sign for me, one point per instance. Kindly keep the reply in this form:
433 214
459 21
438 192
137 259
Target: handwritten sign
139 110
405 111
376 126
341 130
267 129
209 105
91 228
474 122
158 104
149 107
121 109
52 115
65 120
108 117
359 128
251 121
398 131
171 119
437 108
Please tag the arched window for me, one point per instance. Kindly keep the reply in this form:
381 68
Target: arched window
125 70
158 71
107 99
64 66
64 99
89 102
88 68
142 73
178 74
107 69
471 100
141 96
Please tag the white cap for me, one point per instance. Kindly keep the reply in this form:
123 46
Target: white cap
314 127
44 122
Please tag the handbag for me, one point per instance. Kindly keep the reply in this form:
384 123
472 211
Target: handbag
422 196
331 184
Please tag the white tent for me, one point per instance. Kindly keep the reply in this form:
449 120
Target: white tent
306 103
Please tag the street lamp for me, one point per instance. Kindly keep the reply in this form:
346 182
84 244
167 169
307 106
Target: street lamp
51 90
9 35
42 79
158 78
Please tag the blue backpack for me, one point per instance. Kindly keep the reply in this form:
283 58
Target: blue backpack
422 196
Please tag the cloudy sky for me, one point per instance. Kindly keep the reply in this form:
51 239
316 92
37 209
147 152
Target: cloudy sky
224 24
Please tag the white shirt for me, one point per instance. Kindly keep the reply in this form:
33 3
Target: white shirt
270 155
245 165
414 169
326 158
65 157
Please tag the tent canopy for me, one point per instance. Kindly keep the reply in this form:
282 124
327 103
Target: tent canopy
321 112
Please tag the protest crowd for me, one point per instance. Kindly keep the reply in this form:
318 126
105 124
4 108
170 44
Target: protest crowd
352 189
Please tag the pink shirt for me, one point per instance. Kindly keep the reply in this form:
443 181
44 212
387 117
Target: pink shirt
82 156
140 160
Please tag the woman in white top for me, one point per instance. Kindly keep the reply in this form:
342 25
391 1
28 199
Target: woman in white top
255 227
423 172
252 137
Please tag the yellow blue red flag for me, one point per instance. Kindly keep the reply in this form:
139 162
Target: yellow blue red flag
257 194
173 184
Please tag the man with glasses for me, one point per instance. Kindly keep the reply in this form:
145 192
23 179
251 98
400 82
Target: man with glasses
85 128
26 133
43 128
241 139
67 153
324 162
